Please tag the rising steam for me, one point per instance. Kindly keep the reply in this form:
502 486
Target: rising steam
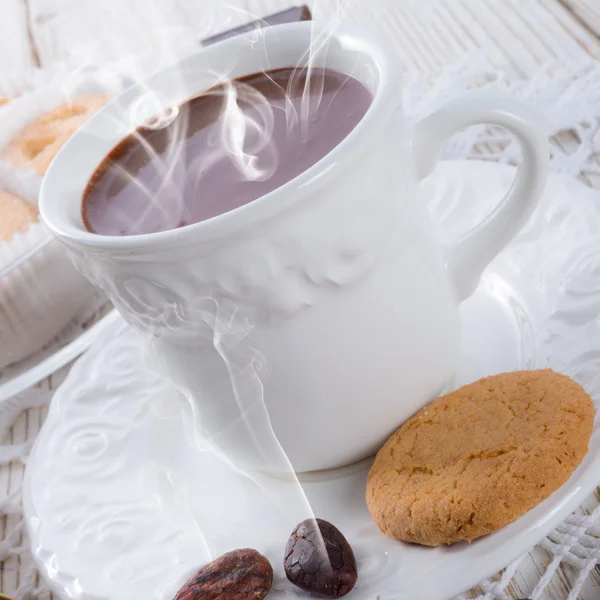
223 337
244 138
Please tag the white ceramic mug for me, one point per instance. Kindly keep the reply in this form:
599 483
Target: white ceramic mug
335 278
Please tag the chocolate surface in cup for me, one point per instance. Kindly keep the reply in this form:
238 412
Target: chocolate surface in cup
222 149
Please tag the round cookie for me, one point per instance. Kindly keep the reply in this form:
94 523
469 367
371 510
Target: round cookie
15 216
477 459
36 145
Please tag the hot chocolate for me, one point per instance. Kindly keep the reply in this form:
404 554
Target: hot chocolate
222 149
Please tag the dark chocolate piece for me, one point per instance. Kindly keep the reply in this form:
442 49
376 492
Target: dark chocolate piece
290 15
319 560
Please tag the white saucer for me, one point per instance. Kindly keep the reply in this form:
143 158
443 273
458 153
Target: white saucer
119 506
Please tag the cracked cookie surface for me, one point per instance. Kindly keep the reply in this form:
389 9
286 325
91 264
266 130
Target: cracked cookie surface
475 460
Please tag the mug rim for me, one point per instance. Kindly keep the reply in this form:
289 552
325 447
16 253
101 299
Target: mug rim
386 101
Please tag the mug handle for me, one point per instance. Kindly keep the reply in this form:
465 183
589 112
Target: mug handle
467 257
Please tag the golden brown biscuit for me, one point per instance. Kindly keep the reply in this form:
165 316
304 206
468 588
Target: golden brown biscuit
477 459
36 145
15 216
